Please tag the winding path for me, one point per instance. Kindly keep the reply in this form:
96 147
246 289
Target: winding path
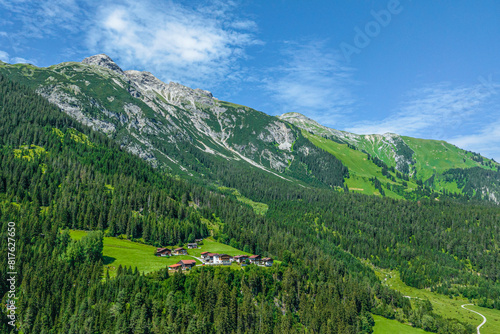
484 321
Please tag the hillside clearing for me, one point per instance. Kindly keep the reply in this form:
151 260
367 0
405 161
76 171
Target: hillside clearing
388 326
444 305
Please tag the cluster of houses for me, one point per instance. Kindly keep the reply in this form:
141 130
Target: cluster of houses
225 259
184 264
211 258
169 252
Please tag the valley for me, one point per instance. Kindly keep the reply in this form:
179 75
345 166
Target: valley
164 165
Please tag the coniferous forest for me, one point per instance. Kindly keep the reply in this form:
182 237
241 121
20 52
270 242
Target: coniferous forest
56 175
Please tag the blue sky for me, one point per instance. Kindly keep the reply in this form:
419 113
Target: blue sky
425 69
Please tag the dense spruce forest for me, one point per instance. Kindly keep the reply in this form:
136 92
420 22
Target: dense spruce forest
56 174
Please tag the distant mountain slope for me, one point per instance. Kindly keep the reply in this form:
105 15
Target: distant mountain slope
187 131
424 162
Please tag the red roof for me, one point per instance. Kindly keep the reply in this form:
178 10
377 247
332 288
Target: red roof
187 262
174 265
205 253
254 256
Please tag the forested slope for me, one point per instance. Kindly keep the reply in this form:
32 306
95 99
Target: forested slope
57 174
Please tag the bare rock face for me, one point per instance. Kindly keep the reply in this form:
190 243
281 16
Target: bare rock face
103 61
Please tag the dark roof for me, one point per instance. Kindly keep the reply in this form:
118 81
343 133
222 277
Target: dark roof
254 256
192 243
161 250
180 248
266 259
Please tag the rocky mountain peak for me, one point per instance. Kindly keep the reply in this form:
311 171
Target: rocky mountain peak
295 115
103 61
300 120
145 80
173 92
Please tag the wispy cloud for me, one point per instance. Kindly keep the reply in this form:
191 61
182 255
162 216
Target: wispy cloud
431 111
198 45
486 141
193 45
312 80
17 60
44 17
4 56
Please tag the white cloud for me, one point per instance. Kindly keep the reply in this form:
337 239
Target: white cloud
20 60
44 18
244 25
312 81
197 45
486 141
431 112
4 56
190 45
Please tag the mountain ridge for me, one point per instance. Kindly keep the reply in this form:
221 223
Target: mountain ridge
188 132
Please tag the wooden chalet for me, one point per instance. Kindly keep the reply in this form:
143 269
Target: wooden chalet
163 252
209 257
240 258
204 256
175 266
255 259
180 251
187 264
267 261
225 259
193 245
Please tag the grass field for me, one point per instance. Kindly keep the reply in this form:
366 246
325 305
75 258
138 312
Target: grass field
438 156
361 169
445 306
128 253
258 208
388 326
212 246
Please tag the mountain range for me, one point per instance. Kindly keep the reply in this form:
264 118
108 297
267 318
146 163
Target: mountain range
190 133
101 166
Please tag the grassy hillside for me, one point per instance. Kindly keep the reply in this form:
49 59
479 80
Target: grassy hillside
258 208
433 156
361 169
210 245
134 254
388 326
424 162
443 305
